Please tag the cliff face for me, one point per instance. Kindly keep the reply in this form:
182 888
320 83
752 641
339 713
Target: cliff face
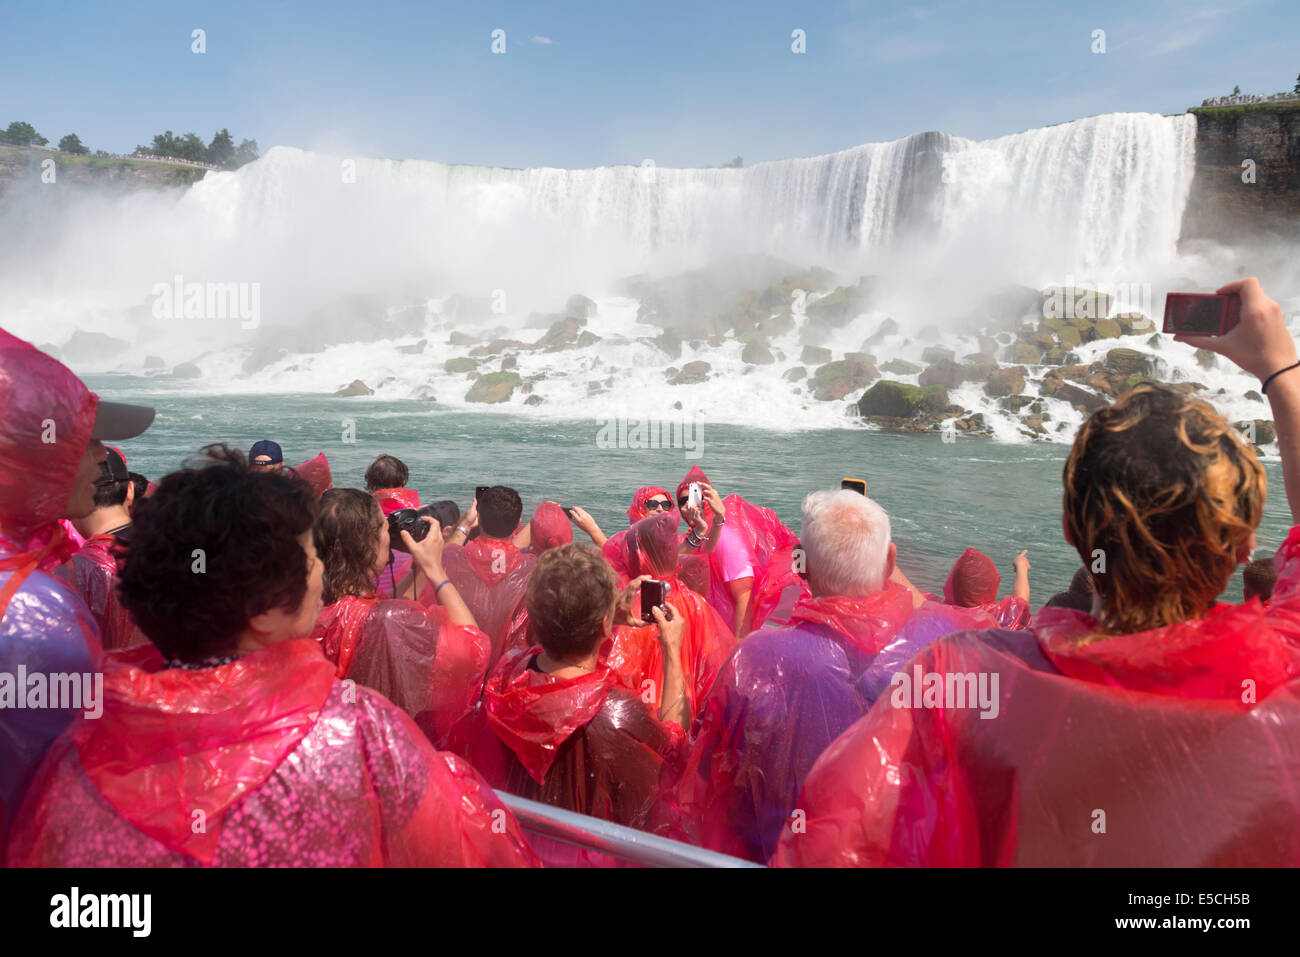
20 164
1220 205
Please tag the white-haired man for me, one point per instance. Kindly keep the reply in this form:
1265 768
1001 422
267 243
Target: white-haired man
786 693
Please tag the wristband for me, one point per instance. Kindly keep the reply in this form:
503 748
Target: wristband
463 530
445 581
1264 388
694 540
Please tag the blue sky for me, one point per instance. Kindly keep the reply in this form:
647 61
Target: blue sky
589 84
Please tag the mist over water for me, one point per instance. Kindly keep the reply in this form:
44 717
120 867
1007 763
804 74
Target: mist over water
941 221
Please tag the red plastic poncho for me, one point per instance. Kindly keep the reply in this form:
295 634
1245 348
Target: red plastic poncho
1177 747
316 473
491 575
613 547
650 548
266 761
392 499
770 547
784 695
410 654
92 571
973 583
46 419
548 528
584 744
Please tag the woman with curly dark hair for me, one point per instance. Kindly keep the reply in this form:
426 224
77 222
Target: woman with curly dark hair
229 740
1162 728
428 660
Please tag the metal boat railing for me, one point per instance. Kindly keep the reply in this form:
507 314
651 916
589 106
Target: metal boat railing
616 840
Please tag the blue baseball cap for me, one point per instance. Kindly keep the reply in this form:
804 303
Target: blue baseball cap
268 448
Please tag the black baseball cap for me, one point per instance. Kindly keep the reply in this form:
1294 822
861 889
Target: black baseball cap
115 421
268 448
112 470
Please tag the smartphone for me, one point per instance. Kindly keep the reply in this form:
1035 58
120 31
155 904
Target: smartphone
1201 315
568 510
854 485
693 494
653 595
479 490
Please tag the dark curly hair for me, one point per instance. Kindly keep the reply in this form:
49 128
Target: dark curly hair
346 529
1164 489
570 591
243 525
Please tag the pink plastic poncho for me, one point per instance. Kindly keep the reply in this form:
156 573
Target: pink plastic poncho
548 528
46 419
585 744
266 761
491 575
781 699
650 548
316 473
92 571
769 545
431 669
1177 747
973 583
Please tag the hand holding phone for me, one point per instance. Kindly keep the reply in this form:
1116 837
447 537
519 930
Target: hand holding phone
1261 344
1195 314
653 595
693 495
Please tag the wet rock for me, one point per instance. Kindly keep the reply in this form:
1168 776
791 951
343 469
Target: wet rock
1134 323
901 367
534 400
460 364
460 339
1069 337
1106 329
944 373
933 354
1081 399
835 380
978 369
509 362
835 308
887 328
91 347
1005 382
795 374
579 306
493 387
815 355
671 343
563 332
498 346
1025 353
1077 302
1252 394
1014 403
355 388
757 353
1205 358
690 373
1129 362
900 400
187 370
415 349
586 338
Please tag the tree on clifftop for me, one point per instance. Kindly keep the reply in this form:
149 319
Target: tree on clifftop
246 153
72 144
22 134
222 148
1297 85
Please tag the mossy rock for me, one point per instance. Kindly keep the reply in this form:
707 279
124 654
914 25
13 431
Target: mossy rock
1129 362
1107 329
835 380
1069 336
1005 382
493 387
757 353
901 367
690 373
355 388
1025 353
900 400
815 355
461 364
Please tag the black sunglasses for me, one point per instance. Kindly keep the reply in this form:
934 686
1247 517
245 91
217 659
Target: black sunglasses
655 505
